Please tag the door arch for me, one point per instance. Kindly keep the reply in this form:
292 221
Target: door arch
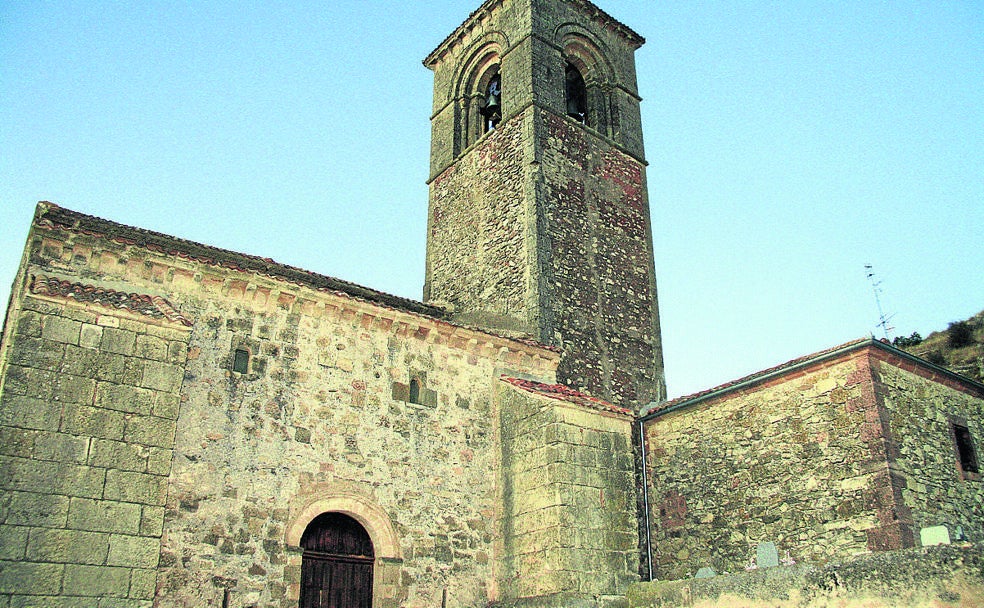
336 564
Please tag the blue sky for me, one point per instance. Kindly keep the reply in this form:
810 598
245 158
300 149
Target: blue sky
790 144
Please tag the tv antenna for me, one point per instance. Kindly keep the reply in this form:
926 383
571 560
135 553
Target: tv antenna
883 321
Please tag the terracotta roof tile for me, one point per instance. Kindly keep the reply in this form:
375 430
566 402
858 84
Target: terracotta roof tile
147 305
565 393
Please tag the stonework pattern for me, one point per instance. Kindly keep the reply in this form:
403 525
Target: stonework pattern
87 418
846 457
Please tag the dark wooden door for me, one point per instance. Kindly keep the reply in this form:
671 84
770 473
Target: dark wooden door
336 568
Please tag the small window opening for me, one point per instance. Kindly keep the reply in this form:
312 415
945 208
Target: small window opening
240 363
492 112
414 391
576 95
965 449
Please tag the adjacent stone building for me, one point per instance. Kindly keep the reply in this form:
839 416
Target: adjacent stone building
184 426
851 450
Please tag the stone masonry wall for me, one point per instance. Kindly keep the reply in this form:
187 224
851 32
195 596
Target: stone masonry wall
569 500
88 406
797 462
542 225
479 250
921 410
597 247
321 415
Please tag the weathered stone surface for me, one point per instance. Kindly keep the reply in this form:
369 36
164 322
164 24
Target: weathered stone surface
941 576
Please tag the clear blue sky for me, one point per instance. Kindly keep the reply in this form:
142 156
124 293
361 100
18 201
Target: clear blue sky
790 143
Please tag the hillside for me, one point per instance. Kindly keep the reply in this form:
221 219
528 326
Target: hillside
960 347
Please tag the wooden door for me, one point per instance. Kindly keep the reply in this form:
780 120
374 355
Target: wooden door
336 568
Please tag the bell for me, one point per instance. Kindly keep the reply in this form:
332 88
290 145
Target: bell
492 103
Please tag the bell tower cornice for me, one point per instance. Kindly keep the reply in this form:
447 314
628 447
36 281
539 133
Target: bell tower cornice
476 17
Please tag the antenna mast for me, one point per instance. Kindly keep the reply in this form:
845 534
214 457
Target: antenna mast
876 288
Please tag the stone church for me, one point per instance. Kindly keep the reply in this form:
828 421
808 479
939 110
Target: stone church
184 426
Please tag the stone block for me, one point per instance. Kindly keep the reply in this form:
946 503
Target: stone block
91 336
61 447
177 352
73 389
118 455
29 324
50 477
104 516
152 521
13 542
706 572
88 363
118 341
97 581
133 369
167 405
37 353
30 413
124 398
41 579
143 584
162 376
35 509
67 546
151 347
150 430
29 382
60 329
159 461
17 442
92 421
134 551
142 488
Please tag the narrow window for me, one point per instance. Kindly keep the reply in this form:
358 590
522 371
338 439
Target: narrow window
576 95
492 112
414 391
240 363
965 449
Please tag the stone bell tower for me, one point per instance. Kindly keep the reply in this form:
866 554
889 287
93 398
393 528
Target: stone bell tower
539 215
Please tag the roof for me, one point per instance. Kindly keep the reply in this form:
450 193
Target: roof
800 363
147 305
585 5
51 215
565 393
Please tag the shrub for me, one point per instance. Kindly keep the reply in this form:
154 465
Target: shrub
936 357
959 334
903 342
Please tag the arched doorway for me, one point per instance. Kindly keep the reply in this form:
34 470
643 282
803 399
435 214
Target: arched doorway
336 567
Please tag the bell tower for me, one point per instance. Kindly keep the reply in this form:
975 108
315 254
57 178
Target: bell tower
538 221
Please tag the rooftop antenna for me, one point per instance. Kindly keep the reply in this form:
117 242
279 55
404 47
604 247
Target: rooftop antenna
876 288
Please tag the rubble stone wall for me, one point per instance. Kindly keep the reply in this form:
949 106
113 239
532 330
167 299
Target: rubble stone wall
321 418
921 411
790 463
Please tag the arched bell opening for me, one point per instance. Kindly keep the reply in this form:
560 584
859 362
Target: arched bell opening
336 564
576 94
492 110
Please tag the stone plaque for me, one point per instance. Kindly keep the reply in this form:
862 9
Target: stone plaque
934 535
767 556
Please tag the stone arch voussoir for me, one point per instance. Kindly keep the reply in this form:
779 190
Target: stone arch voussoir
372 517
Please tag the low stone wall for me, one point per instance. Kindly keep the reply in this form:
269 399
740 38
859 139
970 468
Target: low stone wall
938 577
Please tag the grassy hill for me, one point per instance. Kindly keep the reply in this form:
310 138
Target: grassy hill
960 347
